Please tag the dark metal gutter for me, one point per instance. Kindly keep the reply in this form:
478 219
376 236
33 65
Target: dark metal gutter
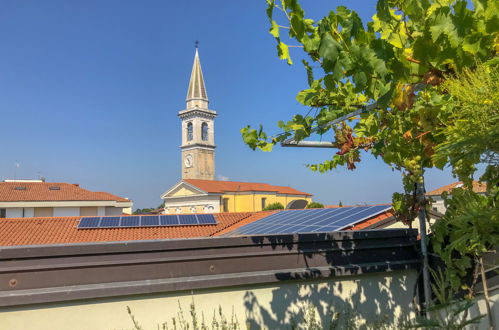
52 273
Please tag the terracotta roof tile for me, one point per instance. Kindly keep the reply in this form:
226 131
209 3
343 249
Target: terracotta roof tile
478 187
63 230
212 186
372 221
41 191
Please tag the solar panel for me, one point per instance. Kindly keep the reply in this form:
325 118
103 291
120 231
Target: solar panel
311 221
206 219
110 222
89 222
168 220
188 219
151 220
131 221
147 221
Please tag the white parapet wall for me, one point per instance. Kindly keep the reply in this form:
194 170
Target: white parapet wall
371 297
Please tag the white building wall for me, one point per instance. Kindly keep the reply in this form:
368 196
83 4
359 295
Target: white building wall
29 212
110 210
14 212
66 211
101 210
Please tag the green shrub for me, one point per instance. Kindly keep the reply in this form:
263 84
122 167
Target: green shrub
315 205
274 206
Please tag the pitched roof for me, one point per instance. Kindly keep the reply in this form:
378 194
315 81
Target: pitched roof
197 89
63 230
478 187
212 186
51 191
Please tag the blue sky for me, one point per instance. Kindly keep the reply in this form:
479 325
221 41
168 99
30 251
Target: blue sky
90 90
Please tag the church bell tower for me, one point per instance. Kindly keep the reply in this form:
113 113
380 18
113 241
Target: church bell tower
198 129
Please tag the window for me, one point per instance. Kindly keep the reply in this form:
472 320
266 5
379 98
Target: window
189 131
264 201
3 213
204 132
226 204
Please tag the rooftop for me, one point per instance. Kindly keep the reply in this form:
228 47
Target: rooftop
51 191
213 186
478 187
63 230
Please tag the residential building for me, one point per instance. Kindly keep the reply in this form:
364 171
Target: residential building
36 198
436 195
198 192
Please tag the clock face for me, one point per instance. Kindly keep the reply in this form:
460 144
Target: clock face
188 160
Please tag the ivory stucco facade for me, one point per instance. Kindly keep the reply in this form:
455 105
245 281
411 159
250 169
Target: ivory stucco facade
272 306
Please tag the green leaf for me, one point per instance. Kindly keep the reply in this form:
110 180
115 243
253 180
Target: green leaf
311 44
310 73
329 82
329 49
274 29
360 80
297 26
443 24
270 8
283 52
471 43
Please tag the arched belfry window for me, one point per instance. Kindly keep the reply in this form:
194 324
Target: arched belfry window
189 131
204 132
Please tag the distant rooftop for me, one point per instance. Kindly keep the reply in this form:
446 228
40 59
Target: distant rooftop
24 180
38 190
478 187
213 186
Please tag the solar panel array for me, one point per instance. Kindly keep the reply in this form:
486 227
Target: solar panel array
311 221
147 221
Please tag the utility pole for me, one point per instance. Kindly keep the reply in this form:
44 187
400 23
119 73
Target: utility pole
420 193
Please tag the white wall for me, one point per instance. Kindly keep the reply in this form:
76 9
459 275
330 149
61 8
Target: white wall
101 211
29 212
110 210
17 212
14 212
66 211
266 306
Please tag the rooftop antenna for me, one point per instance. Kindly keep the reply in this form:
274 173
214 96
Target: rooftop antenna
16 166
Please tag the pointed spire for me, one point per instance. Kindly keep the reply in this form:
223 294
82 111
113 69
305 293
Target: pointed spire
197 90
